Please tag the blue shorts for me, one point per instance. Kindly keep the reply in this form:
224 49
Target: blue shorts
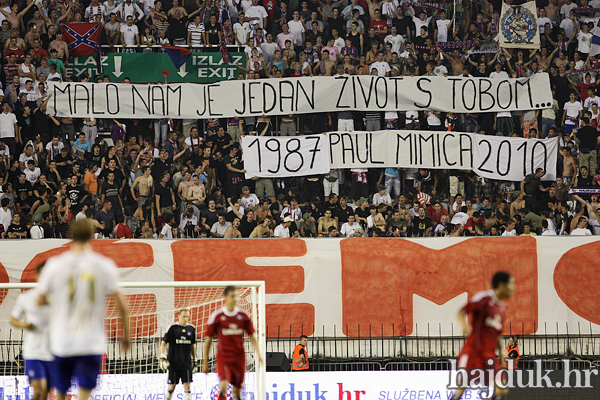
83 368
36 369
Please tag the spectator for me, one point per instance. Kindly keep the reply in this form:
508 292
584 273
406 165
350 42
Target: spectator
167 231
264 229
351 228
106 216
123 231
581 229
219 228
232 230
283 230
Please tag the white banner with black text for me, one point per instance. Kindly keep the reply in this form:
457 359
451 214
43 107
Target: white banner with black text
512 159
407 149
243 98
493 157
278 157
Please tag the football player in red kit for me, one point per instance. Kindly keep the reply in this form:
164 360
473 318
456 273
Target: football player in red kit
487 316
229 324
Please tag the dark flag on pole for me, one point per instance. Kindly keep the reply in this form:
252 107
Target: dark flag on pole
225 52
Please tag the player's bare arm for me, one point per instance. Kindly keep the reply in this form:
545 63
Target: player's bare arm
255 345
124 316
464 322
501 356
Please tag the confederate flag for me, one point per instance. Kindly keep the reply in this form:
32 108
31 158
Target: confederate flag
82 38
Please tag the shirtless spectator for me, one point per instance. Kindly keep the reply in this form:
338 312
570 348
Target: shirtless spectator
61 47
325 222
144 185
263 230
232 230
262 211
196 193
569 166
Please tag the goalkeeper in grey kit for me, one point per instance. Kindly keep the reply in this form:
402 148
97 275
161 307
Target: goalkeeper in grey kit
181 360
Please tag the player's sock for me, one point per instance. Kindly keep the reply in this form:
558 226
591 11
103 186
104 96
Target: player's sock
222 395
187 396
456 396
169 395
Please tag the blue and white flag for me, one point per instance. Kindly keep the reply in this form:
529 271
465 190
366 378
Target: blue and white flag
519 26
595 45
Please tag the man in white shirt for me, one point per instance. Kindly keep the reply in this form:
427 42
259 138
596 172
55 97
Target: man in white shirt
389 10
166 231
5 213
9 131
130 35
460 217
543 20
546 231
349 228
568 25
53 148
498 73
591 99
566 9
32 173
218 229
581 229
441 27
77 338
395 40
297 29
95 8
249 201
241 30
347 11
34 319
256 15
129 9
293 210
510 229
382 67
36 231
269 48
283 230
421 21
27 155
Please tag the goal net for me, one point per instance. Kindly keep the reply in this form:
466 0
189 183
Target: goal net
153 308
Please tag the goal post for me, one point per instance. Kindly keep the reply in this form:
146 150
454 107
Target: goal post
153 308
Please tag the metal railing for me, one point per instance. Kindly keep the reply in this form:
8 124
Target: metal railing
400 353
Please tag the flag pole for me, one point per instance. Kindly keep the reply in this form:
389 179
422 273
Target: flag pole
454 17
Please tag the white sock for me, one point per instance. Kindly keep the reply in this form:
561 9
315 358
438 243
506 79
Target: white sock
169 395
187 396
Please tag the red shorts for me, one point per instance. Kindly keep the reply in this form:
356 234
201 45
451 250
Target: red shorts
475 361
232 372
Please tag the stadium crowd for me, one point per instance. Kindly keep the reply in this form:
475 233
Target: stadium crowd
171 179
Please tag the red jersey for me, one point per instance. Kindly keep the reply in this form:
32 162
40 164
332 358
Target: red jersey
487 317
380 25
230 327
